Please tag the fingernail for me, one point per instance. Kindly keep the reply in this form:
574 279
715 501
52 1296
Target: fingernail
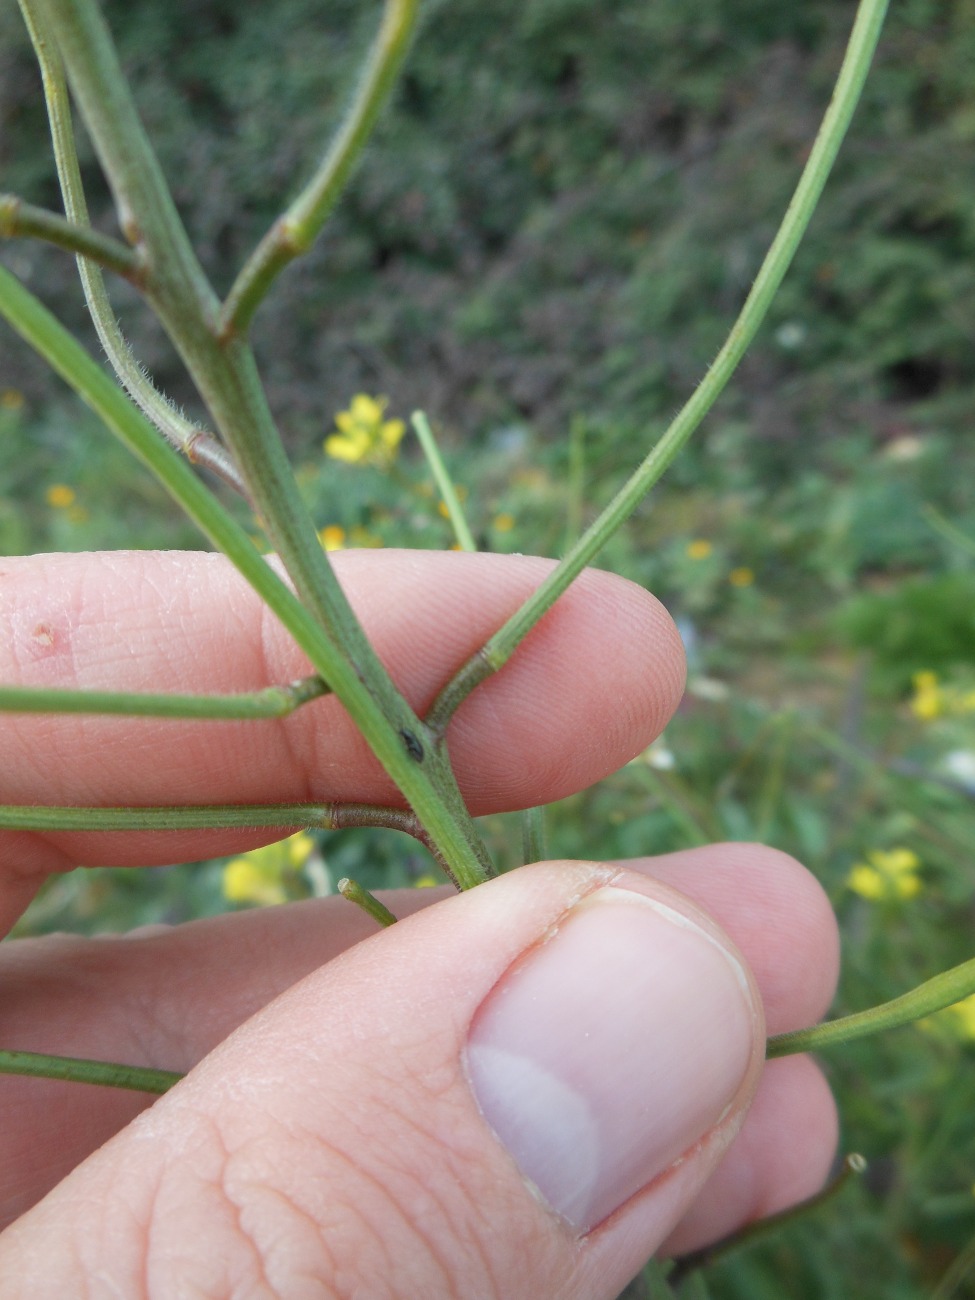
609 1050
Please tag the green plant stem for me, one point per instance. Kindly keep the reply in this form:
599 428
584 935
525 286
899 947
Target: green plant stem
533 837
316 816
933 995
77 1070
369 903
226 376
197 444
272 702
502 645
20 219
443 481
297 229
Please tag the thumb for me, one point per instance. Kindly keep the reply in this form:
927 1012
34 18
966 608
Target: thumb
515 1092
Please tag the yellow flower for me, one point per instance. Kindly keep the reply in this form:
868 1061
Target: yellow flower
741 577
934 699
427 882
888 874
332 537
59 496
247 882
260 876
699 549
12 399
364 437
503 523
928 699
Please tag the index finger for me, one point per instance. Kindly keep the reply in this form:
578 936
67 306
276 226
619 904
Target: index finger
589 688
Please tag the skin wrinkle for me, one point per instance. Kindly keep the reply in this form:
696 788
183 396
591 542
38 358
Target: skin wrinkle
219 954
159 1254
352 1222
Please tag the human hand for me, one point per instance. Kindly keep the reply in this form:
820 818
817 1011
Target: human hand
339 1131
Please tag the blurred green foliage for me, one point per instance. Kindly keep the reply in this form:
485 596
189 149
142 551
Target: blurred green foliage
544 248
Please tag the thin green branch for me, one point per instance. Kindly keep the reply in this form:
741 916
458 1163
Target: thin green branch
533 838
369 903
77 1070
197 444
315 816
20 219
443 481
933 995
272 702
499 649
853 1165
298 228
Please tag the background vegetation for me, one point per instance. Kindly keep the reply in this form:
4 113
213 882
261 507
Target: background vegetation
544 248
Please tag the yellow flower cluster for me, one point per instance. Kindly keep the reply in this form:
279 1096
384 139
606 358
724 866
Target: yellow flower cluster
701 549
364 437
887 875
334 538
59 496
935 699
261 876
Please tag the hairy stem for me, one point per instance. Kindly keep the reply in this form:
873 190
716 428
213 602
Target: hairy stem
198 445
499 649
298 228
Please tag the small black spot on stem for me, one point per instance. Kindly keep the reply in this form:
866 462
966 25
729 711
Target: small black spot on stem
413 746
